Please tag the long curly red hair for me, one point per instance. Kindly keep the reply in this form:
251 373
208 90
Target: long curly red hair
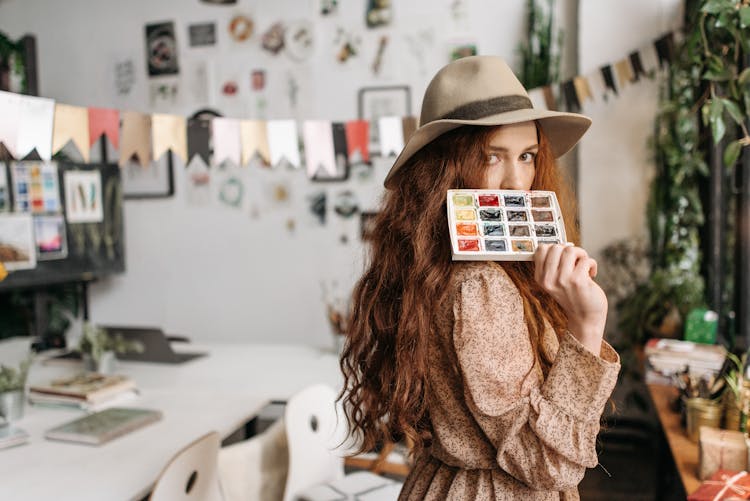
395 303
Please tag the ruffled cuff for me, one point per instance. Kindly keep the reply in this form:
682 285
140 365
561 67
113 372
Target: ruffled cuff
579 382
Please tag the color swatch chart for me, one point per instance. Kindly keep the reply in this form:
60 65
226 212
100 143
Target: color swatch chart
502 225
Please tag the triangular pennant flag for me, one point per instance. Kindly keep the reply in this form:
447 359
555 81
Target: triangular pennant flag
319 151
225 135
637 65
35 126
358 139
10 110
596 83
168 132
340 149
649 58
283 142
135 138
71 124
409 126
609 78
549 97
664 46
254 138
583 91
571 98
199 139
104 122
391 133
624 72
536 96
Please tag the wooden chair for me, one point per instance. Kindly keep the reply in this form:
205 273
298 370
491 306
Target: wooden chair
390 460
191 474
315 432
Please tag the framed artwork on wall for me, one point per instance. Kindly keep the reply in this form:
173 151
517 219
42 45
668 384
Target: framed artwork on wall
384 101
153 181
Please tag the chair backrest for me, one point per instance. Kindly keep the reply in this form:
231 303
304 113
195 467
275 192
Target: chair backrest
191 474
314 430
255 469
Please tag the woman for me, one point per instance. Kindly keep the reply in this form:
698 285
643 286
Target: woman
495 371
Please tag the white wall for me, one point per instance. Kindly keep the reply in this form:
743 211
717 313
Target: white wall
222 273
615 162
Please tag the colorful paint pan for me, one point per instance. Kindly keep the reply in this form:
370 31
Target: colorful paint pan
502 225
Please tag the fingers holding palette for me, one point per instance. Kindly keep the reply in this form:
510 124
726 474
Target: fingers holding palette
502 225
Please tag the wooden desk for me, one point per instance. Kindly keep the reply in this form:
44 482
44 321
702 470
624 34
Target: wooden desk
684 452
219 392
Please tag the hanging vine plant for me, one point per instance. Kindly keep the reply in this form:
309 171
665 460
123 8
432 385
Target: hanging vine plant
706 97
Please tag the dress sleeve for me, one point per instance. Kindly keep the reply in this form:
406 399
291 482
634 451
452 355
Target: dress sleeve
544 431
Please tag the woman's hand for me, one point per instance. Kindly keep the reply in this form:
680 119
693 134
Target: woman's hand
566 273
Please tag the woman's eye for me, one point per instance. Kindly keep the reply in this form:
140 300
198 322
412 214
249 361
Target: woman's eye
493 159
528 157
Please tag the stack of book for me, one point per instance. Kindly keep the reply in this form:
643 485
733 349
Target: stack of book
89 391
666 357
11 436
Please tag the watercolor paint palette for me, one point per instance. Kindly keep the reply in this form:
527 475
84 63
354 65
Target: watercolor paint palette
502 225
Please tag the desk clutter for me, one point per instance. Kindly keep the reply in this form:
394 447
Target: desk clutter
100 427
89 391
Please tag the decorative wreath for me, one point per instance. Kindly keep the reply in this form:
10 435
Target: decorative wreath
241 27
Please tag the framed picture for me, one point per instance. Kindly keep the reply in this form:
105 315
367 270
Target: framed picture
385 101
154 181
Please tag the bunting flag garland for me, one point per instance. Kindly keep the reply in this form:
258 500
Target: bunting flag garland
624 72
637 65
358 140
319 153
9 117
609 78
104 122
199 140
135 138
582 88
71 123
571 97
391 132
36 116
226 141
29 123
169 134
254 138
282 141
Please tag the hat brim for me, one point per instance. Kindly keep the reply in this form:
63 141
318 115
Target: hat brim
563 131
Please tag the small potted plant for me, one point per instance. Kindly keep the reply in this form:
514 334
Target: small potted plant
99 350
12 387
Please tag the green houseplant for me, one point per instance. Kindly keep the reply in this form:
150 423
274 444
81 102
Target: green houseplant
12 387
99 349
705 100
540 58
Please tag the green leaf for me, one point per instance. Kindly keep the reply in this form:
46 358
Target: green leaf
744 77
744 16
716 112
732 153
715 6
733 110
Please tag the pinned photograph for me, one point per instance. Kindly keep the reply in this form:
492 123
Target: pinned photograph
202 34
378 13
4 191
161 49
17 242
83 196
51 242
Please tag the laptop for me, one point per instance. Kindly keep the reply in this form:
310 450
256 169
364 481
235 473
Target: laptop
156 345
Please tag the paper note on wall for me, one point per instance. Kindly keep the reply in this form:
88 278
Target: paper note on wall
83 196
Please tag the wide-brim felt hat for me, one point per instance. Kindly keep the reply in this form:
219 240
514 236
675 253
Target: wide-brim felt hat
482 90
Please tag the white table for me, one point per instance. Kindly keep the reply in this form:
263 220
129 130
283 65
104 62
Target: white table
219 392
